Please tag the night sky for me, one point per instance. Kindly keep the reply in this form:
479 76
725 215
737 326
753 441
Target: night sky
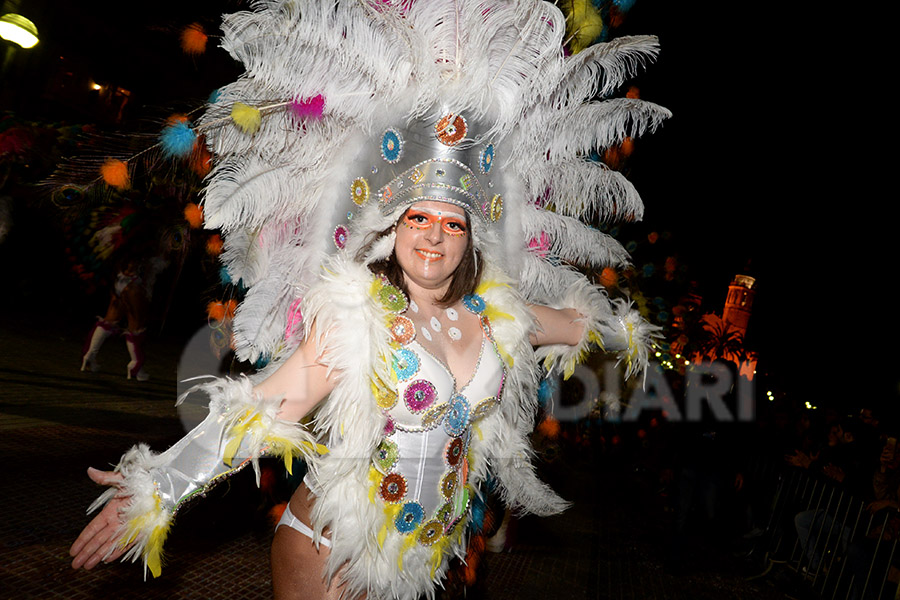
744 175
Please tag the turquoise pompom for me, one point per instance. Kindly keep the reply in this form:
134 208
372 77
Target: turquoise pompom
178 139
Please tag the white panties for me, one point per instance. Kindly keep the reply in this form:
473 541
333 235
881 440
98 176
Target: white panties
288 518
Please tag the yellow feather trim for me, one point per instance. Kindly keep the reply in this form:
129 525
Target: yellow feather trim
409 542
488 284
390 514
152 551
236 434
375 478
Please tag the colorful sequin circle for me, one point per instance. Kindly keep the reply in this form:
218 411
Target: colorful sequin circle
435 415
474 303
445 513
431 532
391 146
457 418
419 395
454 452
384 398
484 408
386 455
359 191
340 236
409 518
393 488
486 160
403 330
451 129
496 208
448 484
392 299
405 363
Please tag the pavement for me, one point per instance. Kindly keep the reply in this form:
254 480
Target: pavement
55 421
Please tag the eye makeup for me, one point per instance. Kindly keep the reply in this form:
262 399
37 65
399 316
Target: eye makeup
452 223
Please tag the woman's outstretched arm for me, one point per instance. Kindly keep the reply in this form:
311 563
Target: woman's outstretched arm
244 421
556 326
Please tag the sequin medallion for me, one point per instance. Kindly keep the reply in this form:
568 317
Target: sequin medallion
474 303
405 363
359 191
419 395
451 129
403 330
431 532
393 488
454 452
391 146
486 160
386 455
340 236
409 518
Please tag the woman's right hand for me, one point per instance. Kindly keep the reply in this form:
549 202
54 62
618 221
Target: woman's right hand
98 538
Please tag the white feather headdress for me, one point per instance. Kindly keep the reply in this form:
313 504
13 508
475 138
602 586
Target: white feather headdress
281 189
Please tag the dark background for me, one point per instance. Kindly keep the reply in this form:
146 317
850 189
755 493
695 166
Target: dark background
752 174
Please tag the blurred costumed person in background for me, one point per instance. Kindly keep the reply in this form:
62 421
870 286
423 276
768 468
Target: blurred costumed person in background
129 306
386 195
126 243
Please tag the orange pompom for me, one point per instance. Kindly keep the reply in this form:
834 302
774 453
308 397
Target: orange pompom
613 157
176 118
267 479
201 159
214 244
549 428
230 307
633 92
115 174
608 277
275 513
194 215
221 310
215 311
193 39
627 146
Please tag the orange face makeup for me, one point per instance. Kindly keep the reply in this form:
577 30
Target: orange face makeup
451 223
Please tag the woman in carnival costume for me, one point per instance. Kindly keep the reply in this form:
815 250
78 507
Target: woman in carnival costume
407 181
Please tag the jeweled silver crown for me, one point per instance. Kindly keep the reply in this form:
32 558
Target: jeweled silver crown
436 160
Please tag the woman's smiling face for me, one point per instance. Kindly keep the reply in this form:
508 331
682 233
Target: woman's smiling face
431 242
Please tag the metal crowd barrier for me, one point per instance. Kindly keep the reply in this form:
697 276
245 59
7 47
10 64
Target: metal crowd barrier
854 551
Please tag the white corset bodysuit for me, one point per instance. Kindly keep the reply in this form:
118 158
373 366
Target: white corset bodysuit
423 459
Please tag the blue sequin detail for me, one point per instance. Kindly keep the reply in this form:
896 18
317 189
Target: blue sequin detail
391 146
487 159
474 303
409 518
405 363
457 418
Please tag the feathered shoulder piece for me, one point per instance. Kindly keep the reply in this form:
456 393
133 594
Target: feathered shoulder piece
346 108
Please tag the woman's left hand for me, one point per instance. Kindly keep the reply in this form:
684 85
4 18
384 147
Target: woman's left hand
96 541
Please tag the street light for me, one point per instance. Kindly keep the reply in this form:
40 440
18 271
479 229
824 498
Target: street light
19 30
